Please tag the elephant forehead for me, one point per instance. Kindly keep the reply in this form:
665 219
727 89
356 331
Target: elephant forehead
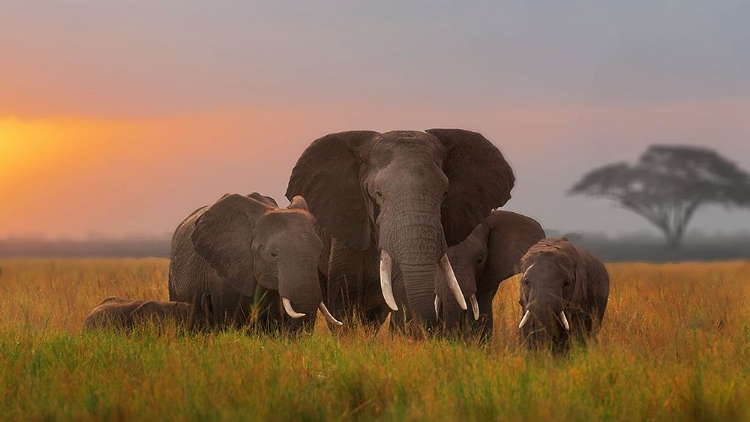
285 220
396 143
548 265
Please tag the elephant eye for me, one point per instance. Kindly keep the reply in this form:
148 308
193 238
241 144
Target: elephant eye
567 283
274 254
526 281
479 261
379 195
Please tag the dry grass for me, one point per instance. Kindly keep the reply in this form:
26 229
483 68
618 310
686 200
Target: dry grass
675 345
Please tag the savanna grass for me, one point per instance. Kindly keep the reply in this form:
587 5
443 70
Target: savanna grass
675 345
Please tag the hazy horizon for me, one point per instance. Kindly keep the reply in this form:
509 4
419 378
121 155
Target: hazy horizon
121 118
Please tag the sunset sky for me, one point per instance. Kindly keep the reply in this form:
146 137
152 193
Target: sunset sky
120 118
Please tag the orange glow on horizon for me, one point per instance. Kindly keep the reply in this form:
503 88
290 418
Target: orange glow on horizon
35 149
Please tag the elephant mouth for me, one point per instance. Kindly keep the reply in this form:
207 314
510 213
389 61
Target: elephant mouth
472 300
560 318
289 309
386 266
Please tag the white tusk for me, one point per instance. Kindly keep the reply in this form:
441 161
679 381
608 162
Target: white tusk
385 279
525 319
289 310
437 307
450 277
328 315
527 271
564 321
474 306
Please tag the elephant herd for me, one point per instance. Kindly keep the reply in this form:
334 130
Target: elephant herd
400 223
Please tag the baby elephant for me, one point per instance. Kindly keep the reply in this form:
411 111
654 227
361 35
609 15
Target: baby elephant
124 314
564 291
491 254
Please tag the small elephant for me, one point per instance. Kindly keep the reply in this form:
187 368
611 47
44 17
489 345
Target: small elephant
124 314
491 254
254 259
393 203
564 292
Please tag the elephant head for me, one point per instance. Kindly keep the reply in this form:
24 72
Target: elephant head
404 196
254 245
491 254
564 292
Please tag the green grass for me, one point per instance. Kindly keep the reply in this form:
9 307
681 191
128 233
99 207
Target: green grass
675 345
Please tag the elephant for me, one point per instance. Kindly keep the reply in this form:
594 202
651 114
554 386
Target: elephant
491 254
564 293
254 259
123 314
392 203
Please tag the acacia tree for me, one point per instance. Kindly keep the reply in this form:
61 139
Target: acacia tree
668 184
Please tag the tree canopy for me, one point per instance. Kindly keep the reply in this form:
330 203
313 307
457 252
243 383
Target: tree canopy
668 184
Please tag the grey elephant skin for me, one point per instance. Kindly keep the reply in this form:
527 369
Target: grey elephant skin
123 314
258 262
564 293
491 254
392 203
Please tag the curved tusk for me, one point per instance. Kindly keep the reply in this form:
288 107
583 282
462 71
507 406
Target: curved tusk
437 307
289 310
328 315
564 321
385 279
450 277
525 319
474 306
527 271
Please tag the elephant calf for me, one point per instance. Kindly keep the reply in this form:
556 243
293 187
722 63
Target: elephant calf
124 314
491 254
564 292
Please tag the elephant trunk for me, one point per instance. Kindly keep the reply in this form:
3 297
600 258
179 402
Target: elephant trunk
411 236
544 316
299 289
420 292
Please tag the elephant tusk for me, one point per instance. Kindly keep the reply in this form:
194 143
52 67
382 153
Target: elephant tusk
564 321
450 277
527 271
474 306
437 307
289 310
328 315
385 279
525 319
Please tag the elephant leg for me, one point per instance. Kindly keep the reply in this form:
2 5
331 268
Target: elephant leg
351 283
170 286
483 327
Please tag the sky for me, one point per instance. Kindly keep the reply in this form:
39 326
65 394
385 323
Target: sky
121 118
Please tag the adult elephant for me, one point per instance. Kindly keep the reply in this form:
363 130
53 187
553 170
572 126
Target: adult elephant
398 199
252 257
491 254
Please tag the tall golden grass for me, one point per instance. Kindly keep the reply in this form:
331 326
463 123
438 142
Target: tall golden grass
674 345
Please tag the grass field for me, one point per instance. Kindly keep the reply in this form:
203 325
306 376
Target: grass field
675 345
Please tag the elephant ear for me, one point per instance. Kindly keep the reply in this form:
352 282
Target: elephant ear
479 180
589 273
327 174
511 236
223 237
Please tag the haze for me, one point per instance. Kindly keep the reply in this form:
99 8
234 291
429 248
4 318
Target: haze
121 119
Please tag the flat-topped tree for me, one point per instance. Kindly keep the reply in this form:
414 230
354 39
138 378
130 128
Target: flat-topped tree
668 184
